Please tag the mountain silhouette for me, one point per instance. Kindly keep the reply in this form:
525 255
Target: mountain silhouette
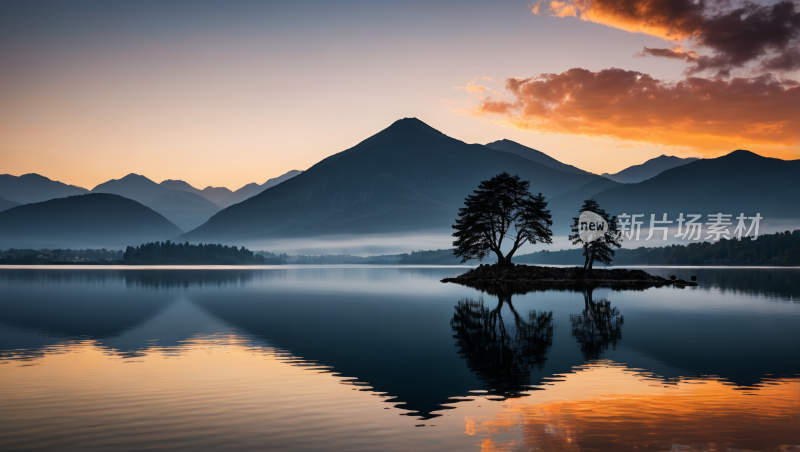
567 205
740 182
187 210
32 187
6 204
213 194
653 167
252 189
93 220
534 155
408 177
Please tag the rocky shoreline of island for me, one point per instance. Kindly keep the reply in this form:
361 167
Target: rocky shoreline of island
535 275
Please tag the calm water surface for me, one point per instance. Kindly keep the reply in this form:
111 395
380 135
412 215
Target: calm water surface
380 358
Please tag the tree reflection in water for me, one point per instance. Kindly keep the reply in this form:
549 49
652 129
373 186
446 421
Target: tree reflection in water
501 358
597 327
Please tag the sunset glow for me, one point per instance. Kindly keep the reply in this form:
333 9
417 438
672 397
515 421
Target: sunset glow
112 91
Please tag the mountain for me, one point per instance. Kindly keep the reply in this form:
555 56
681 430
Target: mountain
638 173
534 155
567 205
213 194
32 187
93 220
187 210
6 204
740 182
252 189
216 194
408 177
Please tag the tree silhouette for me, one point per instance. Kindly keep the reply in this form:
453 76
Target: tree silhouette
500 207
597 327
599 249
502 359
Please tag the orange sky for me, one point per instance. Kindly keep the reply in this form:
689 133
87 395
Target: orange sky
225 97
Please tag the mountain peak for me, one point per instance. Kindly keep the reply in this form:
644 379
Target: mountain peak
503 141
743 153
133 176
412 126
35 176
533 155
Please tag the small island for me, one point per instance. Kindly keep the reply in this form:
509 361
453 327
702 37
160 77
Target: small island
532 276
503 209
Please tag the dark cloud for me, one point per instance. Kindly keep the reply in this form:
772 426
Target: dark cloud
736 34
677 53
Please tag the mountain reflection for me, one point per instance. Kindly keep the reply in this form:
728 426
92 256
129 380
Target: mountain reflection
398 331
597 327
140 278
501 358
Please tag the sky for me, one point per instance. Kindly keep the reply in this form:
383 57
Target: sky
228 93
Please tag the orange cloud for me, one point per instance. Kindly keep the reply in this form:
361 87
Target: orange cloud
563 9
535 7
475 89
671 20
709 115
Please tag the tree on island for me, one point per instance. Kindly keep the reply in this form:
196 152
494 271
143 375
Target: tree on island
502 206
597 237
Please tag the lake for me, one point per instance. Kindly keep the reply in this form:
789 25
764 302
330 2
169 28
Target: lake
389 358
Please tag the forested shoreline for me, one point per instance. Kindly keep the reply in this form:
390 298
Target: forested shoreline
172 253
778 249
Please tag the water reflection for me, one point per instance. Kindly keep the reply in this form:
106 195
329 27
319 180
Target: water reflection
598 327
392 334
780 284
502 359
607 406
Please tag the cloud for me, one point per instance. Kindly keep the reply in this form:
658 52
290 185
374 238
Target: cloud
709 115
563 9
475 89
535 7
736 33
676 52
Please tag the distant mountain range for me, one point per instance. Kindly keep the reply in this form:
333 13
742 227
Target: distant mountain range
250 190
411 178
533 155
740 182
651 168
93 220
6 204
213 194
187 210
408 177
224 197
30 188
